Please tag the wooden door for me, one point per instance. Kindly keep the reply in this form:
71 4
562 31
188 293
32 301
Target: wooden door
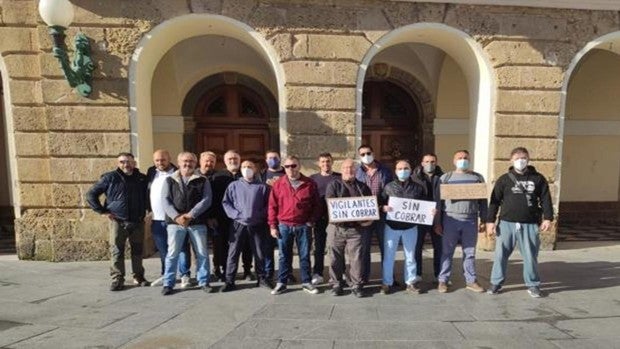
391 122
232 117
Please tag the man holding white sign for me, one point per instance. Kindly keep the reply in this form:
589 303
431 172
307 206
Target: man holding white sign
460 224
401 223
348 233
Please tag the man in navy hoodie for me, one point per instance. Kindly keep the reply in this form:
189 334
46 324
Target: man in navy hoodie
526 209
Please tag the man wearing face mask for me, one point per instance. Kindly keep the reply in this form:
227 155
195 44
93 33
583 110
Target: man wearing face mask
376 176
460 225
407 187
274 168
429 173
526 208
245 202
221 180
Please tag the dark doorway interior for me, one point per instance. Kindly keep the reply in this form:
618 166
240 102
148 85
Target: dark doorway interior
7 229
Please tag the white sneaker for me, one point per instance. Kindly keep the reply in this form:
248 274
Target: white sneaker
317 279
158 282
185 281
309 288
279 289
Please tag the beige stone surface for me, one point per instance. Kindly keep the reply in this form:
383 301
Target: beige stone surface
68 195
80 169
308 146
528 101
19 13
404 13
96 144
547 168
25 92
121 12
321 73
536 27
319 46
20 39
114 92
526 125
239 9
33 170
28 144
80 250
530 77
29 119
23 65
321 123
539 148
283 45
35 195
321 98
45 41
91 118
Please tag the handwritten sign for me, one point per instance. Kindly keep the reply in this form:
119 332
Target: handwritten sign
353 209
463 191
411 211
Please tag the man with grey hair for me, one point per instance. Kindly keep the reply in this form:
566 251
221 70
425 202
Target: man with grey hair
187 197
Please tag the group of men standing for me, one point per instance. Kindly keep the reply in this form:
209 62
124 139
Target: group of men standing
247 212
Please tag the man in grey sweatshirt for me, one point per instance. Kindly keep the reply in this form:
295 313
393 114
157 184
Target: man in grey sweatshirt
460 224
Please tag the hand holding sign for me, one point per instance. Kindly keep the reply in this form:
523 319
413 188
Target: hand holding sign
411 211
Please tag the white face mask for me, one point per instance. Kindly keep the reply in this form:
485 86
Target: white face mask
520 164
367 159
247 173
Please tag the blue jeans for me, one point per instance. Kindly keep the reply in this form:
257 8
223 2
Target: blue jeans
509 234
198 237
301 236
160 237
465 232
391 239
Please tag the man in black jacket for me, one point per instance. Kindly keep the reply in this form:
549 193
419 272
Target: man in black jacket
126 201
526 209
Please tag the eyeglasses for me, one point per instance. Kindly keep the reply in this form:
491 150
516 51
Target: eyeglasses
290 166
364 154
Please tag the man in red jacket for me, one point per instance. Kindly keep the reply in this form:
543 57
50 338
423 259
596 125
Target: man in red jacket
293 209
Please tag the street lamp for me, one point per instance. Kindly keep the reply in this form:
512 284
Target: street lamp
58 15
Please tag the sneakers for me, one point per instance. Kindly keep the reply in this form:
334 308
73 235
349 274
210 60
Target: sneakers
228 287
534 292
207 288
158 282
166 291
442 287
140 282
249 276
495 289
385 289
414 288
265 283
336 291
317 279
358 292
279 289
474 286
117 285
185 281
309 288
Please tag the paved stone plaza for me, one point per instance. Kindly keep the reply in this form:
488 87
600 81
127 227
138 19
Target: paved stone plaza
68 305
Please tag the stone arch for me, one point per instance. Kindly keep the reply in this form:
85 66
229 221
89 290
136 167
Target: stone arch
10 140
154 45
475 65
611 43
416 90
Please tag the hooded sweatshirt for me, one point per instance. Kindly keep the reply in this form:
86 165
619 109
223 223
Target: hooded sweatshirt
531 206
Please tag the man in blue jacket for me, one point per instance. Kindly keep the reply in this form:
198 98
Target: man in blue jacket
125 206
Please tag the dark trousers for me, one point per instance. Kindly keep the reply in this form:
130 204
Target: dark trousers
377 228
269 261
240 236
319 238
423 230
349 241
119 233
220 245
246 256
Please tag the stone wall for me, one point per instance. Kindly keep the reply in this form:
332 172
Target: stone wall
64 142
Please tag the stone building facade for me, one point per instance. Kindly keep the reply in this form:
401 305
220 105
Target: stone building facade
307 76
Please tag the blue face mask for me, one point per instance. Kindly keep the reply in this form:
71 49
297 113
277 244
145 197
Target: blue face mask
462 164
403 174
273 163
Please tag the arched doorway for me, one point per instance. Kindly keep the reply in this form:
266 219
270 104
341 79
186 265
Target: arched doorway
231 111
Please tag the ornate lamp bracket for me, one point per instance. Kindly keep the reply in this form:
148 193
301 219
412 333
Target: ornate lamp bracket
79 72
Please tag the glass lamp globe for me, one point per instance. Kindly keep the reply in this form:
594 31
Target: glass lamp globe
56 12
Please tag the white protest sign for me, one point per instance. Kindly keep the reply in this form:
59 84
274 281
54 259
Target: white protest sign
353 209
410 211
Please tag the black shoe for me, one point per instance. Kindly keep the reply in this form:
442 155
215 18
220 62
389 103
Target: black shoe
207 289
358 292
166 291
141 282
117 285
265 283
292 279
249 276
494 289
228 287
336 291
